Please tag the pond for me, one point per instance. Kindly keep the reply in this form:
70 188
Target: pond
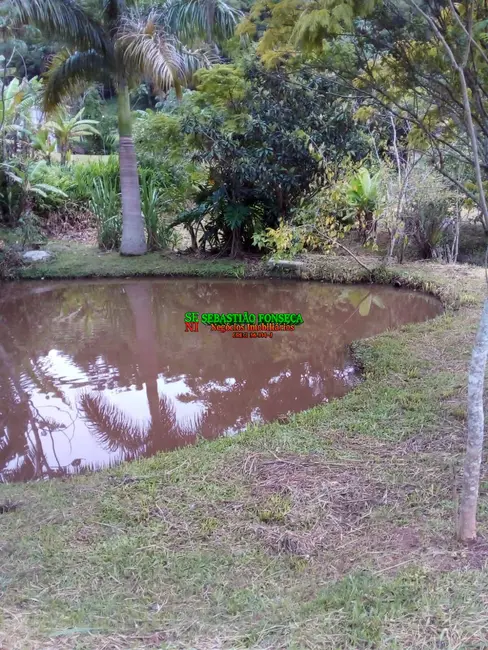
94 373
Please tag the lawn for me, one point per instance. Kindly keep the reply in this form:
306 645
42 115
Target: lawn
77 260
81 157
73 259
332 530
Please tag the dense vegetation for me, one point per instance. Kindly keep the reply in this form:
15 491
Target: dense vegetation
264 128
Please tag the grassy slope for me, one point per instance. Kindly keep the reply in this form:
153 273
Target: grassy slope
332 530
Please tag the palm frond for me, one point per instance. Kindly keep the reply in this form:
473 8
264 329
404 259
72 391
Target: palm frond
167 416
194 60
110 425
45 188
145 48
63 20
68 73
208 20
78 134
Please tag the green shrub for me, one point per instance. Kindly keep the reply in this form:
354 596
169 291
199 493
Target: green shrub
55 176
75 181
105 205
162 152
105 112
423 213
84 175
10 262
29 229
24 185
362 194
150 203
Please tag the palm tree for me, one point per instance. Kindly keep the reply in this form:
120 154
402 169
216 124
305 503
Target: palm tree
69 129
42 143
121 47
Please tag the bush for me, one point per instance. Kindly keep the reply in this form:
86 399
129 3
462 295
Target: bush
56 176
435 227
105 113
363 197
84 174
424 211
29 229
265 137
158 232
75 181
10 262
95 186
163 154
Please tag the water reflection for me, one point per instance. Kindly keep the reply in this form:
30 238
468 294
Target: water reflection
95 373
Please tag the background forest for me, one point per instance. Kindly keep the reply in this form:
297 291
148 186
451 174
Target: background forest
240 128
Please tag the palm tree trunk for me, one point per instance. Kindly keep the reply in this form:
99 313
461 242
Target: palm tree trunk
139 298
133 236
163 432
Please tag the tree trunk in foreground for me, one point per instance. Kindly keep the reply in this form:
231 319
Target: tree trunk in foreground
133 235
476 430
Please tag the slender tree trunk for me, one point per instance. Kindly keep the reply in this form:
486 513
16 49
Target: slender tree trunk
133 236
476 431
63 150
193 235
236 242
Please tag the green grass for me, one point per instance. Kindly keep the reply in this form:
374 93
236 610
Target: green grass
334 530
81 158
78 260
75 260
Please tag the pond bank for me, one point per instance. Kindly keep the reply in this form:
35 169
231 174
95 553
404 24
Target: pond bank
334 529
74 260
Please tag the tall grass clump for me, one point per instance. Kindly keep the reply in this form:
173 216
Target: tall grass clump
105 204
159 234
84 175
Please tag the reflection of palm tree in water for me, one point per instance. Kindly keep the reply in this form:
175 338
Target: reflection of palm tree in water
111 348
21 427
109 424
226 408
117 431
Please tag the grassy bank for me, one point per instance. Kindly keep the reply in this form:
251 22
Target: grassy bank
333 530
77 260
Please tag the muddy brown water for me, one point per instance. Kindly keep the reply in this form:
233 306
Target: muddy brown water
94 373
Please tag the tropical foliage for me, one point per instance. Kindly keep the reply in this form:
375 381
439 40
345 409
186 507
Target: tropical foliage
68 129
117 46
308 124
